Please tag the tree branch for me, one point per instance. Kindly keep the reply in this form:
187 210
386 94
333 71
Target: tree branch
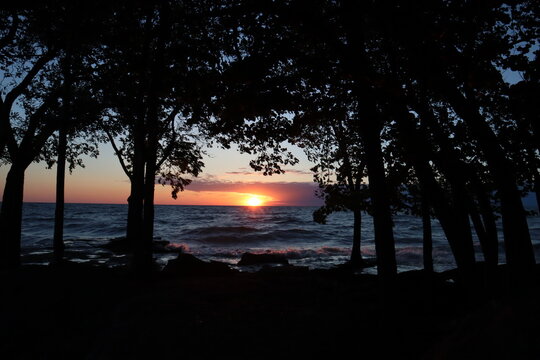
118 154
17 90
167 151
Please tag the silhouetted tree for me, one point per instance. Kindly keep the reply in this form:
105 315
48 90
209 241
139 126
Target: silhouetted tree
313 39
329 140
459 68
161 59
25 119
78 36
35 103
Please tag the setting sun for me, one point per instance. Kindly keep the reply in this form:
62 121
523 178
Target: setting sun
254 201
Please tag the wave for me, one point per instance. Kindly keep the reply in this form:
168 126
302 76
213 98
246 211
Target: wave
227 232
220 230
293 231
321 257
76 225
226 240
245 235
289 253
289 220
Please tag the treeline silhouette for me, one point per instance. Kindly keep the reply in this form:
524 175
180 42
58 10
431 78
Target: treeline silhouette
402 106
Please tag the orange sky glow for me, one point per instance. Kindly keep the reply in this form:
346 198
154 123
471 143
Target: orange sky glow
225 183
264 194
94 189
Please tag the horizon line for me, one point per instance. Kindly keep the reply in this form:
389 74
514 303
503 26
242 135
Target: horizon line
88 203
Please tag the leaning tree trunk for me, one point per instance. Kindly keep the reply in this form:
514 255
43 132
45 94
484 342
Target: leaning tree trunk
11 217
451 216
58 238
490 225
517 239
458 173
483 225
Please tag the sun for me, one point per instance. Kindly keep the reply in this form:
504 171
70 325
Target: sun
254 201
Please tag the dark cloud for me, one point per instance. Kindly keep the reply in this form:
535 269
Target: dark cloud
299 172
245 171
285 193
240 173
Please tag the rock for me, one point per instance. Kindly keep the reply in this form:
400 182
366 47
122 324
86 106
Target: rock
259 259
187 264
164 246
365 263
118 245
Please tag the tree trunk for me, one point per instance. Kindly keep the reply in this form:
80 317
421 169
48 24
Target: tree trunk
145 261
136 178
135 210
489 242
382 216
427 238
145 257
480 232
11 217
356 253
537 191
517 239
460 206
369 128
451 215
58 238
458 173
462 248
492 240
135 228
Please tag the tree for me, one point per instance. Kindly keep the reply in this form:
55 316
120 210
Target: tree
81 103
326 135
26 120
314 39
161 60
468 81
38 97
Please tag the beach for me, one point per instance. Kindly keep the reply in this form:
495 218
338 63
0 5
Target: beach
78 311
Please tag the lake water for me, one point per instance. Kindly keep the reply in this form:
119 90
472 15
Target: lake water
224 233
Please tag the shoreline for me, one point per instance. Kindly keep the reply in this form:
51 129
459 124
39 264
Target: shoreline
78 311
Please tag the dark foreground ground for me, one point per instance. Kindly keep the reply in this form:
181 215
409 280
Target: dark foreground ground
79 312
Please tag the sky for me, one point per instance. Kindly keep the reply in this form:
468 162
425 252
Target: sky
226 179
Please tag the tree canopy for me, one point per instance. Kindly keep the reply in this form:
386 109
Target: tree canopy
402 106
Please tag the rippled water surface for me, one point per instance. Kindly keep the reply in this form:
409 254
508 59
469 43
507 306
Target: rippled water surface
224 233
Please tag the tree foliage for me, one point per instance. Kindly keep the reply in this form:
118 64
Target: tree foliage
401 106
